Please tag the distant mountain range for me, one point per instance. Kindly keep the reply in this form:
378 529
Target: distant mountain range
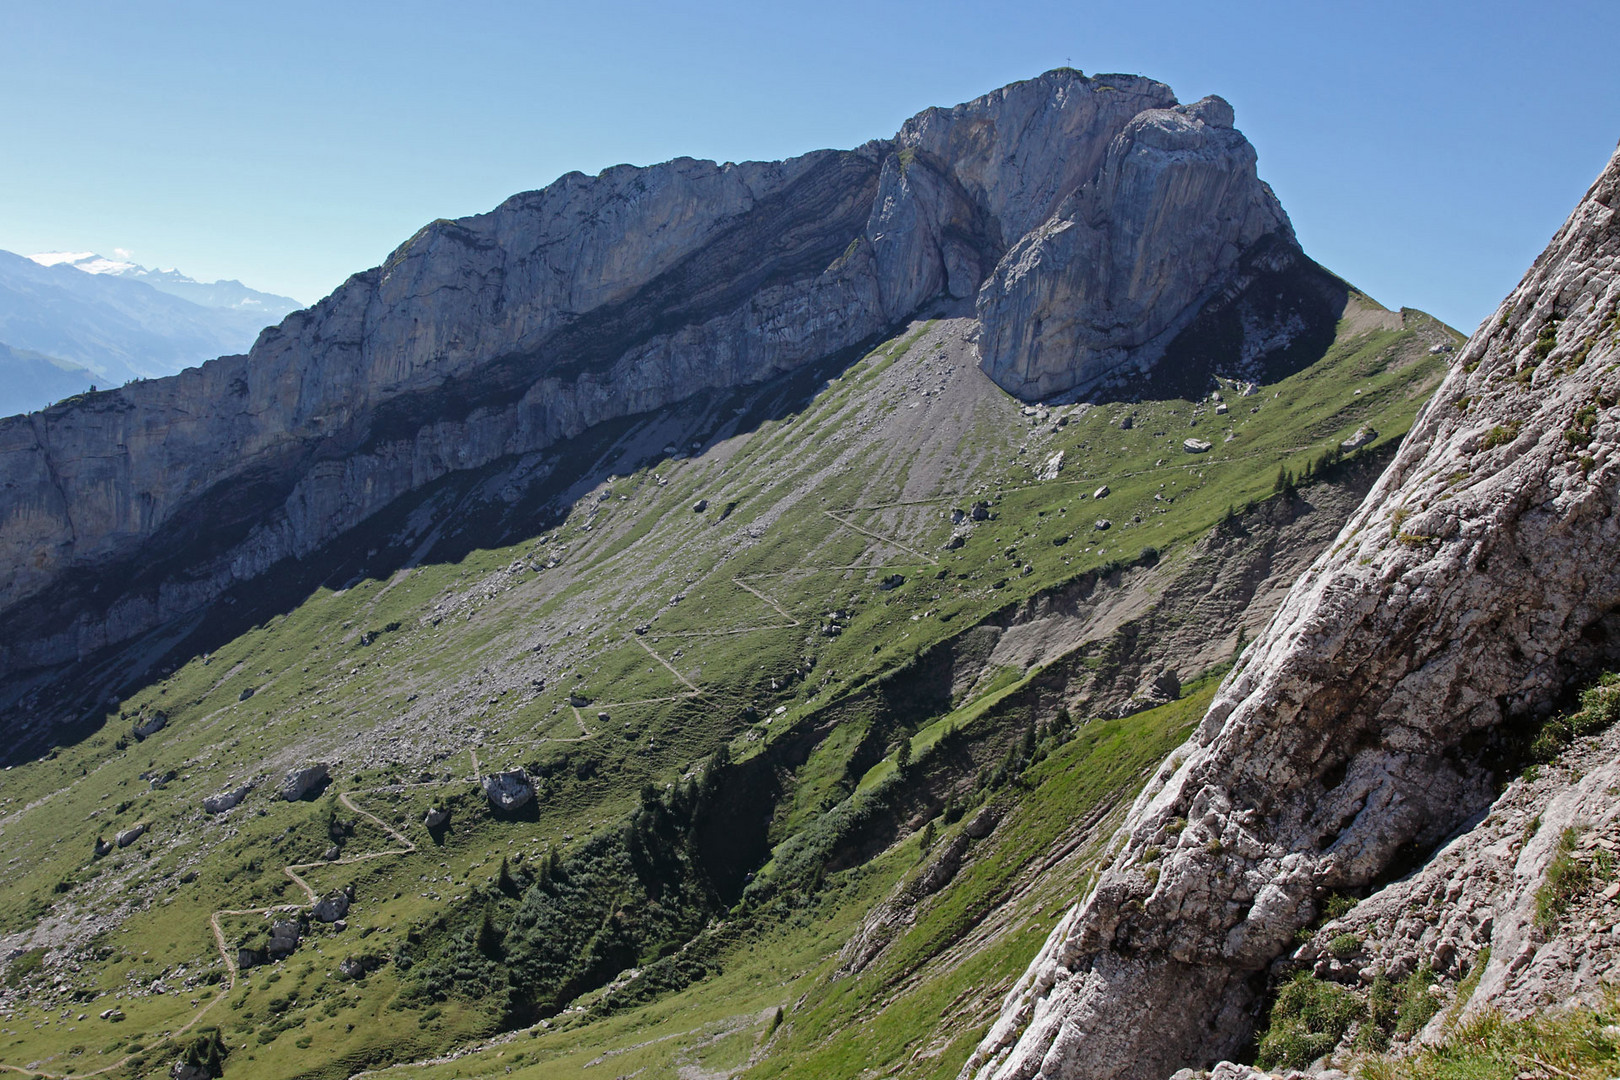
70 320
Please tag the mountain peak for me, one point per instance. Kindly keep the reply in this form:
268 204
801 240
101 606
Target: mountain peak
88 261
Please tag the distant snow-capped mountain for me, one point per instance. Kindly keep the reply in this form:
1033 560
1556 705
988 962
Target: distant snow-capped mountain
215 294
74 319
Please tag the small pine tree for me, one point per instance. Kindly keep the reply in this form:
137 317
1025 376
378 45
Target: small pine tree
489 937
929 834
902 754
504 880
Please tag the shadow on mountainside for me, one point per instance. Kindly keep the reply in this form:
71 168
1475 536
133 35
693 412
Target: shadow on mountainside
519 497
505 502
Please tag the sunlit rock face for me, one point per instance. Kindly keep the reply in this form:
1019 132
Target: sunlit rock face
1092 218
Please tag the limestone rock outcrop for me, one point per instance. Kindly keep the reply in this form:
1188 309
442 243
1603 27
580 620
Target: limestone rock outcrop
1128 259
1480 892
1092 217
1478 580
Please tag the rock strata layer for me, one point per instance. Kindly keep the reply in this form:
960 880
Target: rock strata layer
1477 581
1094 219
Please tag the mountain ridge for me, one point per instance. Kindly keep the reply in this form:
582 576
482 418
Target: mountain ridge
600 297
119 327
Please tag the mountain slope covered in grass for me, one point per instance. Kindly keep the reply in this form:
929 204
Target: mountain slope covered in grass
819 684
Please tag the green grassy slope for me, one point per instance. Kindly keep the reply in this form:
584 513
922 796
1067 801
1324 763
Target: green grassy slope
712 703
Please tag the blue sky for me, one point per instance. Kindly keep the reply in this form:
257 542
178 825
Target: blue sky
1425 151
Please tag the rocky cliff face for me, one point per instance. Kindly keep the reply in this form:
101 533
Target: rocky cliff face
1127 260
1475 583
1094 219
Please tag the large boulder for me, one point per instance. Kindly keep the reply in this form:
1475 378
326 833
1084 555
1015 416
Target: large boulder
300 782
510 790
333 906
226 800
130 835
284 937
149 725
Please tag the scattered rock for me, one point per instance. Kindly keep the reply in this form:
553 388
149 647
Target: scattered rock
1362 437
980 511
1101 493
957 540
354 967
129 836
1051 467
1103 525
700 506
982 823
435 817
102 847
225 800
284 937
1220 409
300 782
1196 446
150 726
893 581
1127 423
510 790
332 907
331 854
114 1015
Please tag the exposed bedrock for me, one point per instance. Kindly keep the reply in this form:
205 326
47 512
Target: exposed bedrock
1477 581
1129 259
606 296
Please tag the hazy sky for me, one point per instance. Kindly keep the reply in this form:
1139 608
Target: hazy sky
1425 151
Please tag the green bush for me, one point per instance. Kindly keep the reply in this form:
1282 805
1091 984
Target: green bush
1344 946
1566 878
206 1050
1307 1021
1417 1004
29 963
